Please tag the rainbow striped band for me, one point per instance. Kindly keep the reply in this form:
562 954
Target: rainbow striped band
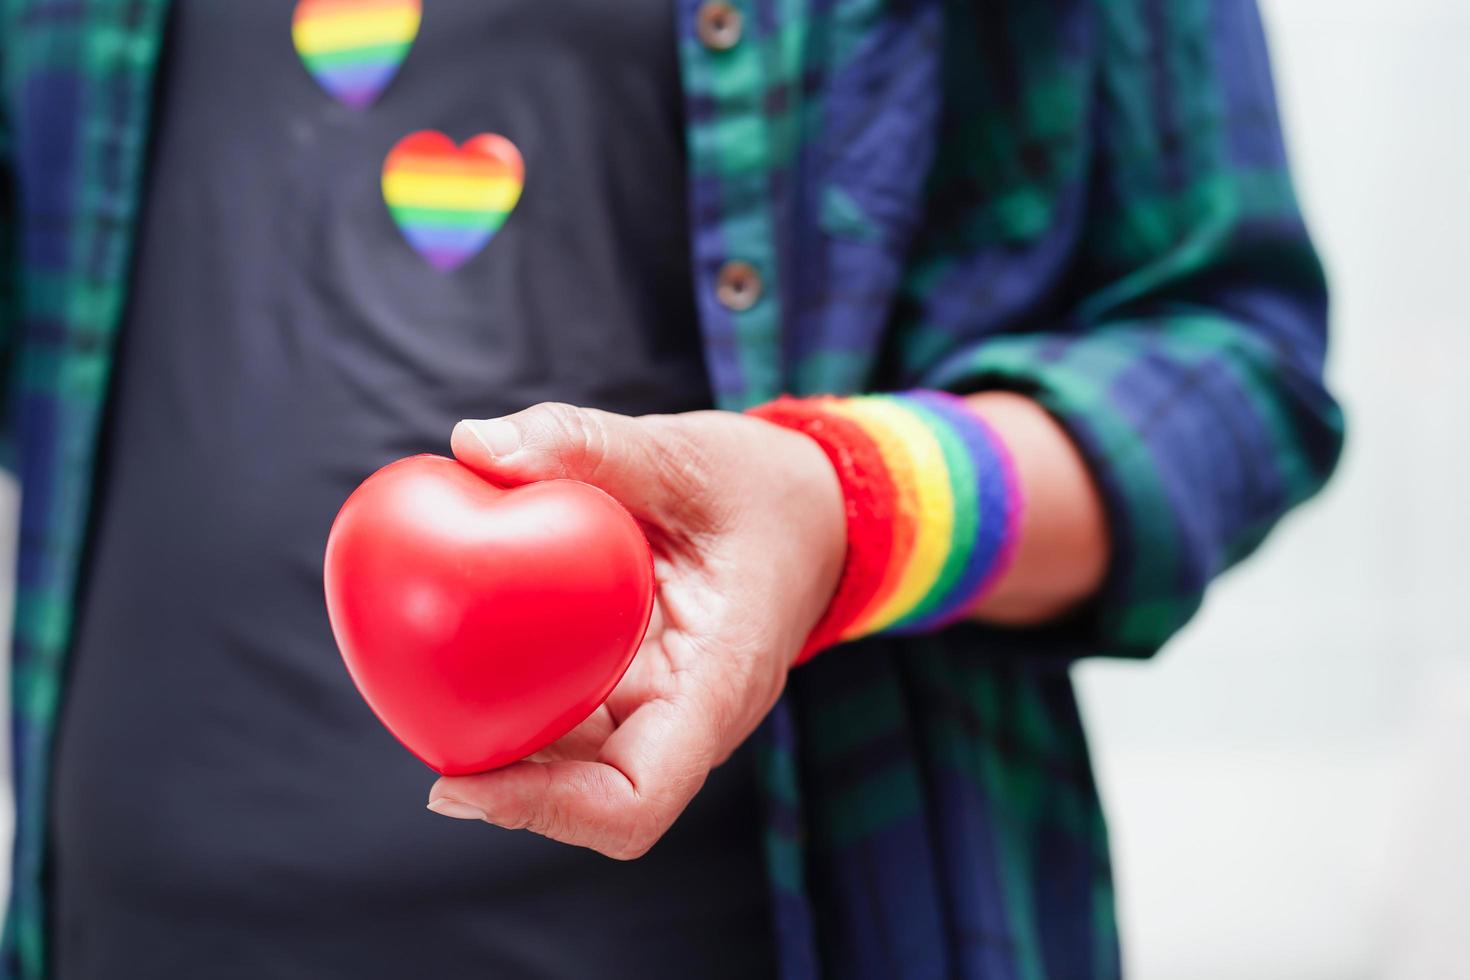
933 508
353 48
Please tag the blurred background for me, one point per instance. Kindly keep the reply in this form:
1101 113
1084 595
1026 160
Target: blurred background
1289 783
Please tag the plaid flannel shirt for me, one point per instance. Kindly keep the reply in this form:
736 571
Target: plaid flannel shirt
1084 200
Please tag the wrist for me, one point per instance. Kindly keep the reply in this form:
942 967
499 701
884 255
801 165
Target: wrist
814 512
931 503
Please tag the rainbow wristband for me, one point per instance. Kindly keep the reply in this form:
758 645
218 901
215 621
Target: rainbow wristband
933 508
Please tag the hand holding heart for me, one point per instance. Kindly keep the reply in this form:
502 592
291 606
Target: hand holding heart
746 524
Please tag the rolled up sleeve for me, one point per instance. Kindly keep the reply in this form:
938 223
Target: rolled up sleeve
1190 374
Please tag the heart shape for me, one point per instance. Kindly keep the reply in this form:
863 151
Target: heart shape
449 201
353 47
480 623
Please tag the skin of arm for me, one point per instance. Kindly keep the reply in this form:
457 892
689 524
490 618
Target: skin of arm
748 530
1063 552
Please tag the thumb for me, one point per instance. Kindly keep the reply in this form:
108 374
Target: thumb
635 460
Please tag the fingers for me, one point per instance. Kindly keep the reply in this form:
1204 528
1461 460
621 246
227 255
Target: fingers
644 463
620 804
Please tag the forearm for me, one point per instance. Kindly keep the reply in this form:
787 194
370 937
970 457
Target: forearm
954 509
1062 548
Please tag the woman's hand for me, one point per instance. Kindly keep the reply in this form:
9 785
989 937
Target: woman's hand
748 533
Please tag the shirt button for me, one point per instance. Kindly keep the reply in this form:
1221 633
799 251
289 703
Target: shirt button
738 286
720 25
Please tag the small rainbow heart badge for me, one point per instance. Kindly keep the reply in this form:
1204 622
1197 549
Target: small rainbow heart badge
450 200
353 47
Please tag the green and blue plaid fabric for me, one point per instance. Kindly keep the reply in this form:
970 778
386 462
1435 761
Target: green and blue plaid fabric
1084 200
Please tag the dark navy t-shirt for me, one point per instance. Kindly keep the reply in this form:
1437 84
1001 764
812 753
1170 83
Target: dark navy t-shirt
226 806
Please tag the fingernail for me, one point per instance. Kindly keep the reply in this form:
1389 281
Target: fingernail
498 436
446 807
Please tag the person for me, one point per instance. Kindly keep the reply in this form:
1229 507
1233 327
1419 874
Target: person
935 344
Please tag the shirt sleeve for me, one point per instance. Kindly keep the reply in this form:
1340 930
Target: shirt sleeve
9 278
1190 373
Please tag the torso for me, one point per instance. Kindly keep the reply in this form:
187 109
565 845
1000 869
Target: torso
225 803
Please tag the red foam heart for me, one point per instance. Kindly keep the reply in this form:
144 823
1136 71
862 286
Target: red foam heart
480 623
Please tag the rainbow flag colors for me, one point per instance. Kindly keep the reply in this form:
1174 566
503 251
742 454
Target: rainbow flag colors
353 47
449 201
933 508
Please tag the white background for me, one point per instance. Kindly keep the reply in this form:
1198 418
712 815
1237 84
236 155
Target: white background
1289 784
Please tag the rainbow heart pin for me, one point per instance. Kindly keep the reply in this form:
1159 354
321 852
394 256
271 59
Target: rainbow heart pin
353 47
449 200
